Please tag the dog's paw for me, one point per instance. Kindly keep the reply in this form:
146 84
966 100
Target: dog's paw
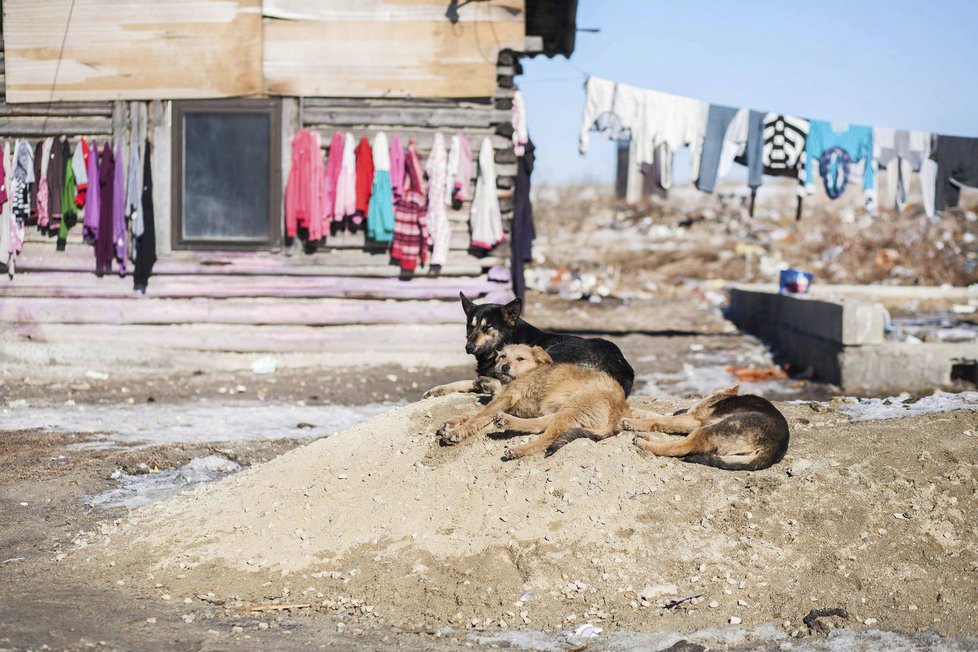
501 420
434 391
626 424
639 440
643 435
449 436
513 454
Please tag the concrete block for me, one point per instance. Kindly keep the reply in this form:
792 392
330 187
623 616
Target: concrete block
849 322
898 366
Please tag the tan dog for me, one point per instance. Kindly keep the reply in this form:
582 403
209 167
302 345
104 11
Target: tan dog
736 433
562 401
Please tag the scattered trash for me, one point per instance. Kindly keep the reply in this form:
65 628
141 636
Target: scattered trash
672 604
903 516
815 623
794 281
587 630
96 375
757 375
264 365
304 425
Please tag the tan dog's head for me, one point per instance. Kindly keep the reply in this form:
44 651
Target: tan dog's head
514 360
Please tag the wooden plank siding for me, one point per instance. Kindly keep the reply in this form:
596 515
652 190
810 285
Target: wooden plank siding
383 48
185 49
132 49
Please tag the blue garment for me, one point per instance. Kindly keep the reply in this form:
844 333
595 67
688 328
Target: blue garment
754 153
380 213
717 121
834 165
856 141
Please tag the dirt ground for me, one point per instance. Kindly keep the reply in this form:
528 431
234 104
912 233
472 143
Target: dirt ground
424 548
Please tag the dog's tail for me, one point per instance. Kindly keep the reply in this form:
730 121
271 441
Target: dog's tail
753 462
569 436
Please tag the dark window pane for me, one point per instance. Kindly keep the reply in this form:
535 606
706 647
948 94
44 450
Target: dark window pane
226 176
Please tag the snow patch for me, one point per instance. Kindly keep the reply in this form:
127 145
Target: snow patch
897 407
146 488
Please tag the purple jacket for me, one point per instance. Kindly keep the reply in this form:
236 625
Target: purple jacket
92 207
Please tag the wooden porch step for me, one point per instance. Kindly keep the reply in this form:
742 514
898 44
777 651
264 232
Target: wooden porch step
87 286
459 242
298 312
80 258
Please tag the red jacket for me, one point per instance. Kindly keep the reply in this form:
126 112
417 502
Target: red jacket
306 187
365 175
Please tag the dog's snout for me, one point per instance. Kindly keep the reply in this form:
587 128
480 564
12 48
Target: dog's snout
505 368
469 347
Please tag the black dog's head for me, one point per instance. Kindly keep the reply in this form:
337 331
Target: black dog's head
490 325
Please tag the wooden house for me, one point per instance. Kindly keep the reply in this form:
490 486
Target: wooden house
244 76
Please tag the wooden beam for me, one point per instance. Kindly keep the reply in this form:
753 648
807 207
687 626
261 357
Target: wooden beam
403 117
147 310
84 286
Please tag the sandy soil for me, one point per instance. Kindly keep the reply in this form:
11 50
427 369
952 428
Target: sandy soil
382 524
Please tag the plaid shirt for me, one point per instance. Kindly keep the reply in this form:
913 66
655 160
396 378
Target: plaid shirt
411 235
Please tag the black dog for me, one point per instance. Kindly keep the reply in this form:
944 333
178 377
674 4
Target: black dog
491 326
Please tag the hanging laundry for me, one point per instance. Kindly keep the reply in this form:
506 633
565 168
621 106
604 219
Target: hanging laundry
397 168
146 243
6 208
134 175
103 236
334 162
22 182
119 235
37 158
305 189
611 109
380 215
785 137
365 179
79 165
460 169
69 214
900 153
19 193
410 245
957 165
346 184
523 232
485 217
650 117
836 150
43 197
441 231
92 208
718 120
520 135
56 180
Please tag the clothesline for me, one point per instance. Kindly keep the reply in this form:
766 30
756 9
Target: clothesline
770 143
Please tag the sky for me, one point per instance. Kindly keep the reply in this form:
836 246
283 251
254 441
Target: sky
895 63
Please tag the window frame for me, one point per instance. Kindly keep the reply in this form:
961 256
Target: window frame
272 108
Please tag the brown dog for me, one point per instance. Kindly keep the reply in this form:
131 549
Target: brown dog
724 430
562 401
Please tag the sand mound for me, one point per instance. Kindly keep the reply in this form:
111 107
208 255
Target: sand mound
383 519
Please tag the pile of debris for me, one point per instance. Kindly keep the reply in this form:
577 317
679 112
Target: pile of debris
589 244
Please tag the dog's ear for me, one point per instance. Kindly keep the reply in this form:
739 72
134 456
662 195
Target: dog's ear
541 356
731 391
511 311
467 304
